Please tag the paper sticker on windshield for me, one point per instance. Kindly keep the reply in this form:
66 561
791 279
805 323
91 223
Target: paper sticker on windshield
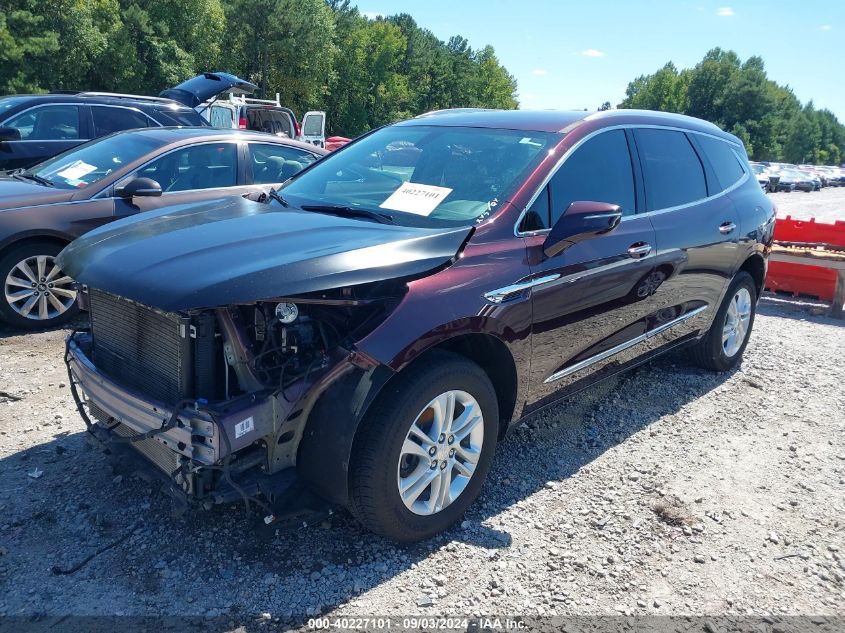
76 170
413 197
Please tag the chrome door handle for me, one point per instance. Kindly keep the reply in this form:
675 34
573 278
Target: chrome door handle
640 249
726 227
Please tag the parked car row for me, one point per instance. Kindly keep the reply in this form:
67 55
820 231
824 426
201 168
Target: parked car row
371 329
786 177
45 207
36 127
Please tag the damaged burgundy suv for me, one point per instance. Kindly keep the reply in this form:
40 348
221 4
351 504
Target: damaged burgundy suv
376 327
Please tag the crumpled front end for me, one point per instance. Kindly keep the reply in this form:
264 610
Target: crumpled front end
215 402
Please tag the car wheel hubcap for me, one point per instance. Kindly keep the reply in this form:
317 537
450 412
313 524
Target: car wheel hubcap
440 452
37 289
737 319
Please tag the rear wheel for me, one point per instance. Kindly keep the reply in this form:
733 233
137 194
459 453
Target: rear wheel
424 449
725 342
36 293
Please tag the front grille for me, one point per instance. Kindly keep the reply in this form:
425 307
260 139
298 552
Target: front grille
141 348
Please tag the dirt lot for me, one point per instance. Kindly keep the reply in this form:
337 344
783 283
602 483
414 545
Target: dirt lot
827 205
669 491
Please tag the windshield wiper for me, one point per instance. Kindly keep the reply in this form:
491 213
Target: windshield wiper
20 174
275 195
349 212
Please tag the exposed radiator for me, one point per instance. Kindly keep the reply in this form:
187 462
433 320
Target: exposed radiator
141 348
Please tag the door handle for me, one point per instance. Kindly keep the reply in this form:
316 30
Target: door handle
640 249
726 227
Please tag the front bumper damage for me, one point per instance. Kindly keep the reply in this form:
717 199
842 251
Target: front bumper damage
201 453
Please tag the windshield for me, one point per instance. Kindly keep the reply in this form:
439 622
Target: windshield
424 175
89 163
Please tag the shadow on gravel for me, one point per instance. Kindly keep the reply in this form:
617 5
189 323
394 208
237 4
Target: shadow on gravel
62 504
7 331
799 309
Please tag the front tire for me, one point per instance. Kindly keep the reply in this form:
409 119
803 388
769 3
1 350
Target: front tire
722 347
424 449
36 293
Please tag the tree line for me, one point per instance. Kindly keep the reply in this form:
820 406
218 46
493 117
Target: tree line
317 54
740 98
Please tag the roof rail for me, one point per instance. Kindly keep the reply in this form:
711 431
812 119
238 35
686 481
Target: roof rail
64 92
242 100
117 95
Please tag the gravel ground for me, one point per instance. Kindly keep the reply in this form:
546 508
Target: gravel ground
827 205
668 491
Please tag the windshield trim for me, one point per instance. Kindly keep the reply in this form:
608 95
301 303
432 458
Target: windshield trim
110 178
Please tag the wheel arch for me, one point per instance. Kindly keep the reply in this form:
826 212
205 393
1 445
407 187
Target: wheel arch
57 237
755 266
328 440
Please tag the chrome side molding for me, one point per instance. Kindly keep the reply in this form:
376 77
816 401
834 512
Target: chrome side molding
506 293
566 371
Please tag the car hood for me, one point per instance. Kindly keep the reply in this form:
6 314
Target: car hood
203 87
233 250
16 193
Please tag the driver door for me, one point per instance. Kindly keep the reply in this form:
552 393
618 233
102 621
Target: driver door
189 174
596 300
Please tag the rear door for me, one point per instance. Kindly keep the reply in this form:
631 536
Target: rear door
272 164
596 299
314 128
45 131
695 222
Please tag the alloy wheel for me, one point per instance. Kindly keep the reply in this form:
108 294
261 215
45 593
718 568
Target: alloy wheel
37 289
737 319
440 452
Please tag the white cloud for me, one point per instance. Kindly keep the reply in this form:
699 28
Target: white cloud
372 15
591 52
825 27
539 72
725 12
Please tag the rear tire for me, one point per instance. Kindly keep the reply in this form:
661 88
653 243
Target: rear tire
409 485
36 294
724 344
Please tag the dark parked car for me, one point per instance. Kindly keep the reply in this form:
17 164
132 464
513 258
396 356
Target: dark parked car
377 329
36 127
44 208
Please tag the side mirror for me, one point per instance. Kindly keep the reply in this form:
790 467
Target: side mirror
9 134
581 220
139 187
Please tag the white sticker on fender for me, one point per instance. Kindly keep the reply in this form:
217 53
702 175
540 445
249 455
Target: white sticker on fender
413 197
244 427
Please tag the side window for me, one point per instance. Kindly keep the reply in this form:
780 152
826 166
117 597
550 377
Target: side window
672 170
537 217
220 117
108 120
723 160
198 167
273 163
599 171
47 123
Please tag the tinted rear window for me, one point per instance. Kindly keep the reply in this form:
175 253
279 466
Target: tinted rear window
269 120
723 160
190 118
673 172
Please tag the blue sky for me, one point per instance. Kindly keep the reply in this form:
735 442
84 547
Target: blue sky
567 54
